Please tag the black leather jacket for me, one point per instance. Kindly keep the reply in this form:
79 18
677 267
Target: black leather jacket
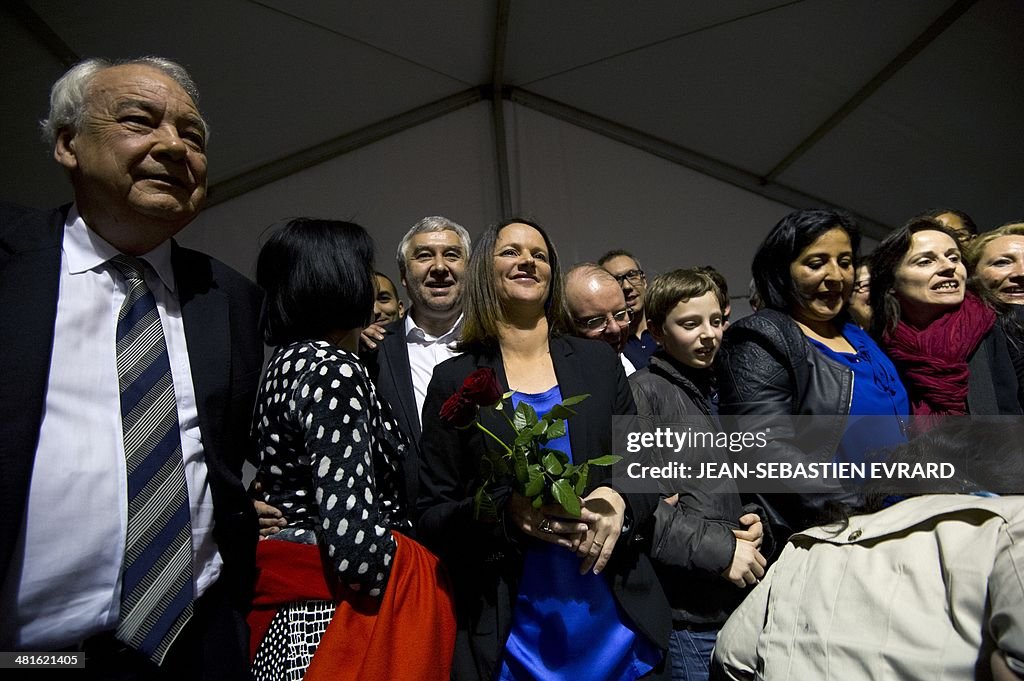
767 367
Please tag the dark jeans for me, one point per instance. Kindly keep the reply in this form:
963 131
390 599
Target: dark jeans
690 651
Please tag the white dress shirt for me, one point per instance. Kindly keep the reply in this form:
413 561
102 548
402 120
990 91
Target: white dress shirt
425 353
626 364
65 578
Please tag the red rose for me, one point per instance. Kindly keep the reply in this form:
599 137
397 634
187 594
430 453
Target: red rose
481 388
458 411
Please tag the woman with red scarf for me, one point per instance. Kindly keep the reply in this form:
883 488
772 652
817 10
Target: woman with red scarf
946 342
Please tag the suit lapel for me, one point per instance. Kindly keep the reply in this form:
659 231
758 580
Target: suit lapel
29 287
30 256
493 420
571 382
205 315
395 366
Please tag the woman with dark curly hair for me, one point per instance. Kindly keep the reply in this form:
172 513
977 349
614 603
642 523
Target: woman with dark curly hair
801 356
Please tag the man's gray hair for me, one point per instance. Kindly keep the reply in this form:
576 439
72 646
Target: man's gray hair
434 223
68 95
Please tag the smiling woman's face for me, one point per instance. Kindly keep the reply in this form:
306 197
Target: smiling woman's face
522 265
1001 268
930 278
823 277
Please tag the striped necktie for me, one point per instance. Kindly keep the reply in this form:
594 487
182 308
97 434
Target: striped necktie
156 590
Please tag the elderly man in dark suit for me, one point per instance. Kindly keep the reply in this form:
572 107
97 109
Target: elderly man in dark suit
130 368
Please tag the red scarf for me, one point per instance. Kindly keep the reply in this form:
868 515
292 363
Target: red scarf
933 361
407 635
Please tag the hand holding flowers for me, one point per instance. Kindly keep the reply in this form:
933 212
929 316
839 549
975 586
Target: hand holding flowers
542 475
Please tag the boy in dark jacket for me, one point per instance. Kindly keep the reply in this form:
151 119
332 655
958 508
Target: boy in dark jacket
704 543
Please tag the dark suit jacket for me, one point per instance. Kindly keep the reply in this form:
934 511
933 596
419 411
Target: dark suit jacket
220 311
389 368
485 559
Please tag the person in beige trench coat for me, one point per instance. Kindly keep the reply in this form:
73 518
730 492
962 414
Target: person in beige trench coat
931 587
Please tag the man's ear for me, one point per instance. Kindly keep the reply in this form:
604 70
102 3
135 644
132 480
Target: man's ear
64 149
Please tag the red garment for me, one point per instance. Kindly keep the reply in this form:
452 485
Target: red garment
933 361
407 635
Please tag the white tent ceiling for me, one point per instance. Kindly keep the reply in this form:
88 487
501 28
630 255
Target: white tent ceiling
882 107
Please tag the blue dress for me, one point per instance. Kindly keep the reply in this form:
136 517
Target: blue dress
880 407
567 626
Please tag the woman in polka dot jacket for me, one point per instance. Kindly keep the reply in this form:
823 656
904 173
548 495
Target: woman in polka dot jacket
329 450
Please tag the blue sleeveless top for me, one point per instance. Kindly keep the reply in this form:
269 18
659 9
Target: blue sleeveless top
567 626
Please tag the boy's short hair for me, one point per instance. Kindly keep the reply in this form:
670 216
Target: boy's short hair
669 289
719 280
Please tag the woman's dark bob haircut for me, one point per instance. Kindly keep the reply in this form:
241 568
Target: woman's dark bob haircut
783 245
318 279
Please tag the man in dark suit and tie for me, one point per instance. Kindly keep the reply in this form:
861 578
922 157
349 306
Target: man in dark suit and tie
431 258
130 367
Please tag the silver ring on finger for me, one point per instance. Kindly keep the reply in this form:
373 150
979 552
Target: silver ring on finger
545 526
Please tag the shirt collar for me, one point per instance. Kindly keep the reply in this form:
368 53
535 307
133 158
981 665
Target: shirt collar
415 332
86 250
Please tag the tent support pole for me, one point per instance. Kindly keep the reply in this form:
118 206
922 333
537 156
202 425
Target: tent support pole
43 32
498 109
292 163
688 158
944 21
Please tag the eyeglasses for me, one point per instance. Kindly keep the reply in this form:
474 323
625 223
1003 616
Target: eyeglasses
601 322
635 277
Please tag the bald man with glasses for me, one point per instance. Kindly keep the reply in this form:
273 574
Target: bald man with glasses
598 308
